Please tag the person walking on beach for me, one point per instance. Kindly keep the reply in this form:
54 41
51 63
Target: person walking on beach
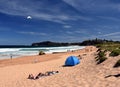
10 56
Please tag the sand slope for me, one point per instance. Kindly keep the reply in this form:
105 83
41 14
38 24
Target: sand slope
85 74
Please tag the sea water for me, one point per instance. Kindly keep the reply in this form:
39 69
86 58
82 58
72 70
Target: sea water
27 51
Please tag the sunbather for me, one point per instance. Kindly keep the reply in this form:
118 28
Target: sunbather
51 73
30 76
41 75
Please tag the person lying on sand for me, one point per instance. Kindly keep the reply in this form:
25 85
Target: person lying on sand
30 76
48 73
51 73
39 75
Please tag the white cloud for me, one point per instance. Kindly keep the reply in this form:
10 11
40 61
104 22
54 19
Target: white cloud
94 6
99 32
69 32
32 33
67 26
82 31
19 8
39 10
112 34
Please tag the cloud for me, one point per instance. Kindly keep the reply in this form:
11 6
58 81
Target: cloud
81 5
32 33
82 31
41 10
109 18
95 6
112 34
67 26
67 38
69 32
99 32
28 7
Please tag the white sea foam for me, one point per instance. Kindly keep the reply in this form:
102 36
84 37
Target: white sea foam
16 52
8 49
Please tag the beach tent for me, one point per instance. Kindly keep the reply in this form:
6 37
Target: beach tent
72 61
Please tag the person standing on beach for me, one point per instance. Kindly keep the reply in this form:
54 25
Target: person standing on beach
10 56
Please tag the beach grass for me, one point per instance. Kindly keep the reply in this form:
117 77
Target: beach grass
101 57
109 46
113 48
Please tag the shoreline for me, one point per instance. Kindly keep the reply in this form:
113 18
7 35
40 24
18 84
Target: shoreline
7 53
15 72
40 58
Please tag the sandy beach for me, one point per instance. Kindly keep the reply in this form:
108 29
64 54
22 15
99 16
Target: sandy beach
14 73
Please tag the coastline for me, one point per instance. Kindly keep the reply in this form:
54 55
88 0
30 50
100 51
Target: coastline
14 73
40 58
11 52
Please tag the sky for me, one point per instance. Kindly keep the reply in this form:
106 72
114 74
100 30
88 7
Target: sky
23 22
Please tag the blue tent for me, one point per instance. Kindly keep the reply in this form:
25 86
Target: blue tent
72 61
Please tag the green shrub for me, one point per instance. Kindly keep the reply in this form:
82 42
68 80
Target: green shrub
41 53
102 59
115 52
101 56
117 63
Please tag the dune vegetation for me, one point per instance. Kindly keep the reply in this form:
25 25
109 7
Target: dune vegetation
112 47
109 46
101 56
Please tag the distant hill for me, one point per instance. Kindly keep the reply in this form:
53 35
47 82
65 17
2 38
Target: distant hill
97 41
84 43
57 44
53 44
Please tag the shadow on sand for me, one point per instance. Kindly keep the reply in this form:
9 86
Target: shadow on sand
116 75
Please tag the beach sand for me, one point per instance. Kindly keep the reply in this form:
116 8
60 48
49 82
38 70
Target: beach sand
14 73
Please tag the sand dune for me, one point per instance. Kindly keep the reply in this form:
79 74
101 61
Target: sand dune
14 73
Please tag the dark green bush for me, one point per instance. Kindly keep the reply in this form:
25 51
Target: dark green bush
117 63
41 53
101 56
115 52
102 59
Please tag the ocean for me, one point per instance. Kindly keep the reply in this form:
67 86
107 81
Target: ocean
27 51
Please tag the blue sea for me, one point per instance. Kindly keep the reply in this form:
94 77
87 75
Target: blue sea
27 51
